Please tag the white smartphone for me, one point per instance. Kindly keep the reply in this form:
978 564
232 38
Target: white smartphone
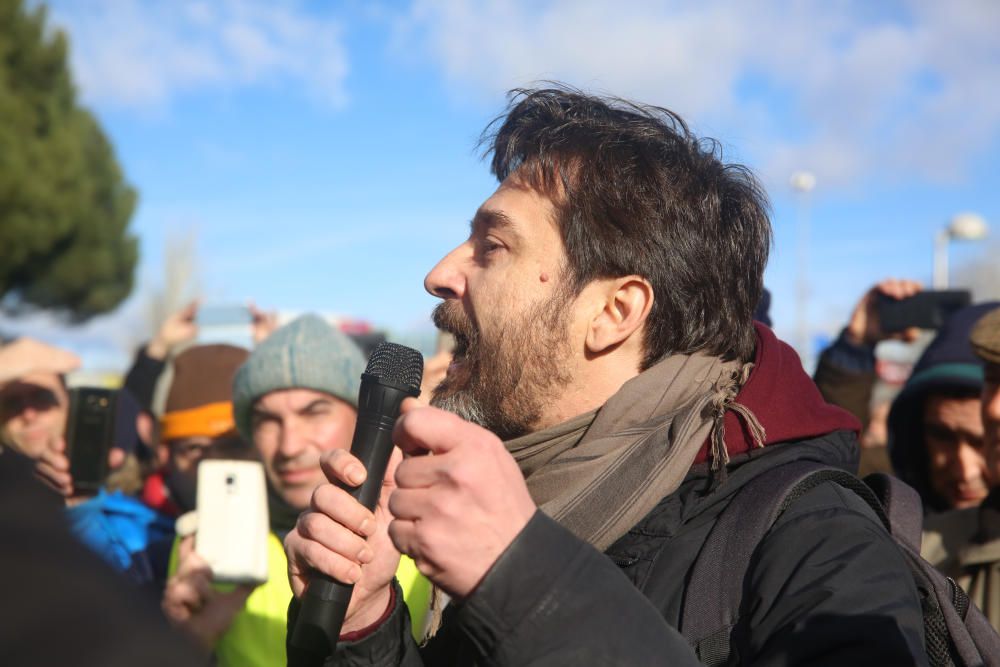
233 520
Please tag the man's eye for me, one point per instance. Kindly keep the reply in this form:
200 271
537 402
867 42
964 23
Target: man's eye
488 246
942 435
259 422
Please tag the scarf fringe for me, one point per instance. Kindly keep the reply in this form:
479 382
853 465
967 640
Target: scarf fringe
725 399
435 614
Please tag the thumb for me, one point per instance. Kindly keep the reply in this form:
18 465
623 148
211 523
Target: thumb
410 404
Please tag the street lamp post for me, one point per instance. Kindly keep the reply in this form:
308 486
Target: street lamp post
962 227
803 182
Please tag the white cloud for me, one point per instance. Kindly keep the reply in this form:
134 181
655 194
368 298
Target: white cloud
128 53
862 88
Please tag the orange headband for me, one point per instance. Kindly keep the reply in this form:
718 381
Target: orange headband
211 420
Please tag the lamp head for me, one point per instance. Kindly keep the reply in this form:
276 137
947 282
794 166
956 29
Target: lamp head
967 227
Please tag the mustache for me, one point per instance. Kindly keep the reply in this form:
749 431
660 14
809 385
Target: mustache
448 317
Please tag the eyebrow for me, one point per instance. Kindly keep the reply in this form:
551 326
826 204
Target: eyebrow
486 219
313 404
261 412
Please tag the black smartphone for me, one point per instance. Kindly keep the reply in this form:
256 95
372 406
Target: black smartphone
89 431
924 310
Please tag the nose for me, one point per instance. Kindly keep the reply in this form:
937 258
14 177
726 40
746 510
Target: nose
991 403
968 463
292 442
447 280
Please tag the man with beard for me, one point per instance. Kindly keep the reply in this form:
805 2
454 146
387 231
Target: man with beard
609 396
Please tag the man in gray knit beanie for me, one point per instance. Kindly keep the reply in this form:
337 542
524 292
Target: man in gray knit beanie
296 398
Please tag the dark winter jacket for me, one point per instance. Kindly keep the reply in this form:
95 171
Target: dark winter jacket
845 375
62 605
826 586
948 364
142 377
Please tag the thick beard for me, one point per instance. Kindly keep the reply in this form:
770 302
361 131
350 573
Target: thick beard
505 378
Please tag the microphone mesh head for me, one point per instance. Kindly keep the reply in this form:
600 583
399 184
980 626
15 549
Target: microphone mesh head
397 364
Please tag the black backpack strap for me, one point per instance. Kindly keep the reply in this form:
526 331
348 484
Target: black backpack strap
902 505
714 592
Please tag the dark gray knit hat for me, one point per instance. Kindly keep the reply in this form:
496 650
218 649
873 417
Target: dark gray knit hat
306 353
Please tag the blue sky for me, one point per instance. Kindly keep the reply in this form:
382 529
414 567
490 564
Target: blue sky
322 155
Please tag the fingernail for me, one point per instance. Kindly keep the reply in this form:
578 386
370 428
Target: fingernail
365 555
355 474
354 574
367 527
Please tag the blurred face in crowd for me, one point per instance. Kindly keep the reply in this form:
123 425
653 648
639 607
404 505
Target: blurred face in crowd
953 434
292 428
991 420
506 304
181 456
33 413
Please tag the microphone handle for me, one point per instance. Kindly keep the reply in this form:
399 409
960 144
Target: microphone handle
325 601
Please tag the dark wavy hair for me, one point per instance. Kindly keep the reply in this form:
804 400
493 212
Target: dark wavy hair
637 193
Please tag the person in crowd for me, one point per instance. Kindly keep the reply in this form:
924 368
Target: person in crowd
845 373
608 396
134 536
179 329
935 423
197 422
965 543
34 402
34 406
294 399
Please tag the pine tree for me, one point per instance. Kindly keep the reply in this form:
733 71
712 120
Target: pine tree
64 203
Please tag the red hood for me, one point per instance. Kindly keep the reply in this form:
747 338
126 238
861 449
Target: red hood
783 398
156 494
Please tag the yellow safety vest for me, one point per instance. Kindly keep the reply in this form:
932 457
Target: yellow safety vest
257 636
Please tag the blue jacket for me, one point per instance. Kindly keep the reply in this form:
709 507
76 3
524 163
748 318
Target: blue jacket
131 537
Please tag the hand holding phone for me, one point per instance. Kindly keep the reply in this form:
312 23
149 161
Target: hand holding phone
193 604
89 432
233 520
923 310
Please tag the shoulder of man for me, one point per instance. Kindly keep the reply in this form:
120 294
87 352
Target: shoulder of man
830 581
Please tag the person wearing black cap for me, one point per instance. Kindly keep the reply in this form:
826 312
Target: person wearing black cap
965 544
935 423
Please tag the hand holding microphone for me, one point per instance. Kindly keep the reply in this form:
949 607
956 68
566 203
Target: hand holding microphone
454 513
457 511
341 532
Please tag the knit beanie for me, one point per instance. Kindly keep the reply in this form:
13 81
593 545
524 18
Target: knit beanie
199 402
306 353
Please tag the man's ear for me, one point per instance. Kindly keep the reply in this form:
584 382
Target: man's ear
162 453
622 306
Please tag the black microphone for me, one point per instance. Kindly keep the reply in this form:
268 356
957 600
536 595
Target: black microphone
393 373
